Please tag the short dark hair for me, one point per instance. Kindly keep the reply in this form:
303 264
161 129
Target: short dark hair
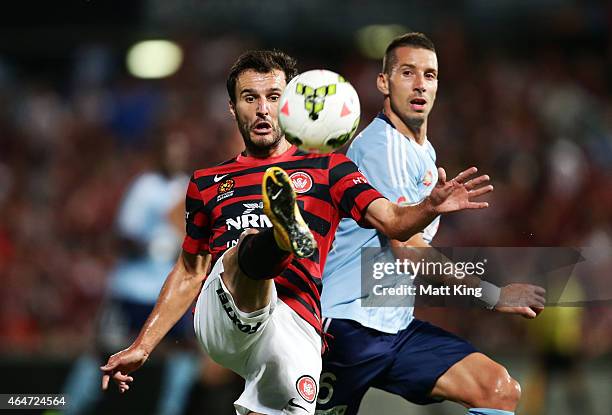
262 61
412 39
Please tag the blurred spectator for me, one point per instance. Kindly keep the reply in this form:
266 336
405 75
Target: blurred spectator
149 227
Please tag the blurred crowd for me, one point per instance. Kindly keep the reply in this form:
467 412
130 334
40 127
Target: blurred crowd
539 122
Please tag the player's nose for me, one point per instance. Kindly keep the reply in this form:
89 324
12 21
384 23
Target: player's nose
263 106
419 83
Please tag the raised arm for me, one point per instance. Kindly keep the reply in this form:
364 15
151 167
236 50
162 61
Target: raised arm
181 288
401 222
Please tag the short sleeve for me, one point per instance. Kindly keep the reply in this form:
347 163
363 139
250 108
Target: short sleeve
197 231
393 170
350 190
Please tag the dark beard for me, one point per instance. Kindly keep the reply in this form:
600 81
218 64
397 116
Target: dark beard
413 123
255 149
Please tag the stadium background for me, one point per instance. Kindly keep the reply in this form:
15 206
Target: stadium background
525 93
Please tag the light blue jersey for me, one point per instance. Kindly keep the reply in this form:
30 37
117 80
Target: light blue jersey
403 171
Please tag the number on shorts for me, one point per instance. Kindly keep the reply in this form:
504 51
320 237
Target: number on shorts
324 384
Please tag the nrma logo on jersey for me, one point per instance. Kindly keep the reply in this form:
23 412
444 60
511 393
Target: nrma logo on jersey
248 219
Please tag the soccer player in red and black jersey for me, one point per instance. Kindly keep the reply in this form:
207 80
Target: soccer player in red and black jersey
265 221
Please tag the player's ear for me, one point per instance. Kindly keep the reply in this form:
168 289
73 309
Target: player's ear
382 83
232 108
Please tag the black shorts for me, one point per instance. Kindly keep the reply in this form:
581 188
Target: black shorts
407 364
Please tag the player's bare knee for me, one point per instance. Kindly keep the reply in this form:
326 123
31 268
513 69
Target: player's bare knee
513 393
507 394
517 390
499 390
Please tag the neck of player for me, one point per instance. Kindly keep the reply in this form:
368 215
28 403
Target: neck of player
415 129
274 150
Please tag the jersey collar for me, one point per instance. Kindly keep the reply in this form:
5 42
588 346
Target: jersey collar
268 160
381 115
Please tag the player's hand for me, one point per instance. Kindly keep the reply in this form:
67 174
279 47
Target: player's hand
459 193
120 365
523 299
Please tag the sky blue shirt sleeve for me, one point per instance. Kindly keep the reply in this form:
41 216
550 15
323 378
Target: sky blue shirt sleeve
396 167
388 165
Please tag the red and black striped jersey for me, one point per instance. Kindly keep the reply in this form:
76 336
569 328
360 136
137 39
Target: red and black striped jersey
224 200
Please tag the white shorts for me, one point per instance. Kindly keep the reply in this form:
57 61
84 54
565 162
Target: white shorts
273 349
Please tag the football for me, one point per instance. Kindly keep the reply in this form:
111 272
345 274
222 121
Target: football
319 111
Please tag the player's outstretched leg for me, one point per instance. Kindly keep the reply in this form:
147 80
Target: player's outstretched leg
480 384
280 205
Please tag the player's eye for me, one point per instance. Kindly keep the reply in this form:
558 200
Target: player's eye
274 97
249 98
407 72
431 75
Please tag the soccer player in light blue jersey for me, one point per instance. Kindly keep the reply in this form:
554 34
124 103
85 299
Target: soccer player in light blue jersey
386 347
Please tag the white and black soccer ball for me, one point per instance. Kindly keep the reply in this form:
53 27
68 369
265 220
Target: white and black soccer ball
319 111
